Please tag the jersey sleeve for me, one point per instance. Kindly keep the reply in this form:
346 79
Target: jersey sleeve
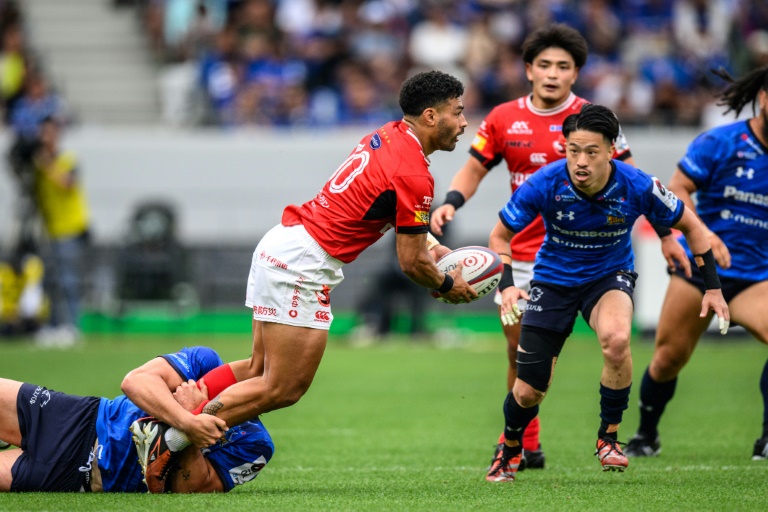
193 362
621 150
699 160
524 205
662 205
414 200
485 144
248 448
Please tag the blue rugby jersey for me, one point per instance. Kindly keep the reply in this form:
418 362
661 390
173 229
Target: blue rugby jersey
248 447
588 238
729 166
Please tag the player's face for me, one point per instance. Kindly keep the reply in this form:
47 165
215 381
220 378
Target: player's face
589 160
450 124
552 73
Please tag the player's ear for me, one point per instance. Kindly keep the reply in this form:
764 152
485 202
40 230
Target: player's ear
430 116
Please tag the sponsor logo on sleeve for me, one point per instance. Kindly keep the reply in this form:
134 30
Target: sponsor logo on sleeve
667 197
421 217
375 141
479 142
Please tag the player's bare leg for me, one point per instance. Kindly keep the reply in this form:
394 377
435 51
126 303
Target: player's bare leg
9 417
748 309
611 319
677 334
292 356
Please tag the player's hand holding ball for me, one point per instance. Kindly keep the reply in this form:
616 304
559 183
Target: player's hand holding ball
476 271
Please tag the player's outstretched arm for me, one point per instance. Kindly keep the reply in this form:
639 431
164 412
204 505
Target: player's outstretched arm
463 186
698 241
684 188
419 266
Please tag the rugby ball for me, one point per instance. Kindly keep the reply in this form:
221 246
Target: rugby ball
482 268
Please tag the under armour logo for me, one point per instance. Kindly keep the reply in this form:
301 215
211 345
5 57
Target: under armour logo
568 215
623 280
749 173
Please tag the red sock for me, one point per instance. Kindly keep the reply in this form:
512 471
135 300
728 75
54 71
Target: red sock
218 379
531 435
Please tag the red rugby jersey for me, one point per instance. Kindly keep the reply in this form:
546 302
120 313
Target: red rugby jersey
384 183
528 138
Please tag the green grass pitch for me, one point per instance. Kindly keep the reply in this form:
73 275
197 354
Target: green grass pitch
410 426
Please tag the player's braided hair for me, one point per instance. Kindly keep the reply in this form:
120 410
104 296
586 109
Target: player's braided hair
428 90
557 35
742 91
593 118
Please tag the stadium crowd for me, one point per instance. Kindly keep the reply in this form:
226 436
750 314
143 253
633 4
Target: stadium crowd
340 62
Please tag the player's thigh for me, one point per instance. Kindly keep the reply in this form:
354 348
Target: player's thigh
9 418
292 354
611 318
7 459
680 326
750 310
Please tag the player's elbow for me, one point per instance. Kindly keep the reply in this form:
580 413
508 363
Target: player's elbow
129 386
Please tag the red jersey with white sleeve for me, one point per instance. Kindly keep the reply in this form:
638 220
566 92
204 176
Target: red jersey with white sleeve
528 138
384 183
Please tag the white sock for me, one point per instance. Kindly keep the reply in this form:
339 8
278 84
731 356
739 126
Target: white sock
176 439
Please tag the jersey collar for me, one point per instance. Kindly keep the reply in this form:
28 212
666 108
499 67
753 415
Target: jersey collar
407 130
550 111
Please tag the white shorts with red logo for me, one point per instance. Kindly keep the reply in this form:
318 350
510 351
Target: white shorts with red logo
522 271
291 279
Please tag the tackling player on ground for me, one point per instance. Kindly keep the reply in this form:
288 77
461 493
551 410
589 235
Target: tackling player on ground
385 183
589 203
727 170
527 134
71 443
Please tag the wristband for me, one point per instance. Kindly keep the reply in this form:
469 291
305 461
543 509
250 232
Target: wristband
446 286
506 278
708 270
455 199
661 231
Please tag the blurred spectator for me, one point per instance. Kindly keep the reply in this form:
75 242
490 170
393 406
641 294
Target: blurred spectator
23 303
64 210
649 59
14 64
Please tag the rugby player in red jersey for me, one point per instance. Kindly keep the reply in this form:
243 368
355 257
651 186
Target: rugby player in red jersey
384 184
527 134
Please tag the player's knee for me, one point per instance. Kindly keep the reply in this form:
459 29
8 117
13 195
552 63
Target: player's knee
667 364
615 346
536 359
526 395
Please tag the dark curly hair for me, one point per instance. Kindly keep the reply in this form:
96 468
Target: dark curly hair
742 91
428 90
557 35
593 118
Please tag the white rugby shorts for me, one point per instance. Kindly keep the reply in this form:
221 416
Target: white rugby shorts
522 271
291 279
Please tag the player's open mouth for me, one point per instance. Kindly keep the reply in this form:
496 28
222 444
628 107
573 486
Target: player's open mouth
581 175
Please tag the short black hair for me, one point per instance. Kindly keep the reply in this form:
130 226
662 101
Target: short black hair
427 90
557 35
593 118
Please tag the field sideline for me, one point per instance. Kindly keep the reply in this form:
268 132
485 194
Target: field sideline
408 426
